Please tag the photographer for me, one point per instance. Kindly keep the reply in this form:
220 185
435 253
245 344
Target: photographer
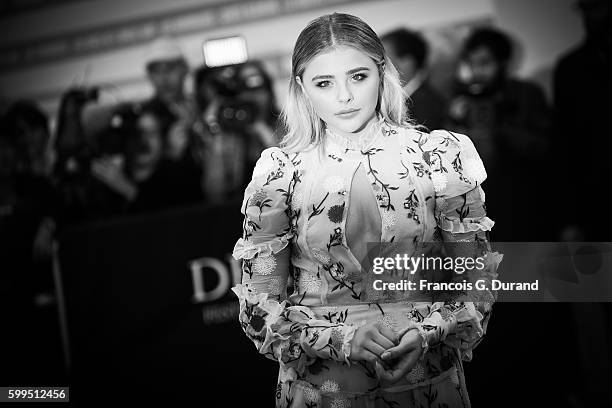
166 69
146 178
88 132
238 117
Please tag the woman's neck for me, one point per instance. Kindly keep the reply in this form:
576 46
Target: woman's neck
360 138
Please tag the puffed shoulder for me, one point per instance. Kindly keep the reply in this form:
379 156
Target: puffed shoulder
271 161
266 228
456 166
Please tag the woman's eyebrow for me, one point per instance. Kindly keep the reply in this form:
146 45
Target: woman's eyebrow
352 71
349 72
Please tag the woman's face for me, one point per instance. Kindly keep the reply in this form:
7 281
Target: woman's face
342 86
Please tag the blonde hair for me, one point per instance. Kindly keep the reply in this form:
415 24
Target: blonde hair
302 125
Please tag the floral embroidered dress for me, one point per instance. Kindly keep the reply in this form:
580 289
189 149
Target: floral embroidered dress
304 292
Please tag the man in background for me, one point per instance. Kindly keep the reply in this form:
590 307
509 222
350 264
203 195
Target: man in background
508 119
167 69
408 52
582 87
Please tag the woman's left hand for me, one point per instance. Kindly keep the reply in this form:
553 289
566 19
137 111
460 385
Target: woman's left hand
401 358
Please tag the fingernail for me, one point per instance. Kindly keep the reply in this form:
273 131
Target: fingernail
384 355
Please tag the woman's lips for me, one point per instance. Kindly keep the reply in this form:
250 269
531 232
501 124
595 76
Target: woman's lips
348 113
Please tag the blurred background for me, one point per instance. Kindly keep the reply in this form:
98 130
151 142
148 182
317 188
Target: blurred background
129 131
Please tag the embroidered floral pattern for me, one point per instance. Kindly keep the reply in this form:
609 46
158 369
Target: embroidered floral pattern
260 200
312 395
340 403
335 238
334 316
421 170
385 198
335 213
321 255
318 209
405 169
337 339
415 315
330 386
336 270
389 219
416 374
264 265
309 282
439 181
335 156
446 314
411 203
388 321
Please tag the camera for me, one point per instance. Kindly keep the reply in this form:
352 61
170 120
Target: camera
233 87
88 129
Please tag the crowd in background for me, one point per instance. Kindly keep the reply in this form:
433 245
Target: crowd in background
544 159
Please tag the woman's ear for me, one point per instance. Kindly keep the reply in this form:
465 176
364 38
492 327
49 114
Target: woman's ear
299 81
382 66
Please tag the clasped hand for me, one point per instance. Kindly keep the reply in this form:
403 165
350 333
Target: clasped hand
392 356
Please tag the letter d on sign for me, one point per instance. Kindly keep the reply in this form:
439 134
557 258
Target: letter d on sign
197 275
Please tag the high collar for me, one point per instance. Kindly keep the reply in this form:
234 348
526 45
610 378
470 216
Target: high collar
361 144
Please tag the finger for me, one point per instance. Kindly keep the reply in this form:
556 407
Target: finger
374 348
404 366
367 355
392 374
388 333
382 340
381 372
397 351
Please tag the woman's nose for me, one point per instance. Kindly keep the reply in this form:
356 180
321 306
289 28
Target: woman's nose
344 93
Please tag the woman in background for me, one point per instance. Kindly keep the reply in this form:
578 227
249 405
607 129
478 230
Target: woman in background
351 170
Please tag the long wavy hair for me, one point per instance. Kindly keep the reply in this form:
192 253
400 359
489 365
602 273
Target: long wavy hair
302 126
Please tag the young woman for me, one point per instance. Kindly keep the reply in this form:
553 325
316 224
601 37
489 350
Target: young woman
351 171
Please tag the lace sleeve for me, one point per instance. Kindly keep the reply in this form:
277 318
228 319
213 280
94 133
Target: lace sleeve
291 335
457 174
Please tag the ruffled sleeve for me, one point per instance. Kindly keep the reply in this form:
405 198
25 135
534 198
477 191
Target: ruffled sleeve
457 173
291 335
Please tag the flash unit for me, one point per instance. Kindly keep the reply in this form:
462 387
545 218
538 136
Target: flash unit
225 51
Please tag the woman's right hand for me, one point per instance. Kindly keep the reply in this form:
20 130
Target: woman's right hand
370 341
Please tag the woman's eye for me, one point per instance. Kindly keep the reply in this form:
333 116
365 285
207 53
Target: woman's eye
323 84
359 77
